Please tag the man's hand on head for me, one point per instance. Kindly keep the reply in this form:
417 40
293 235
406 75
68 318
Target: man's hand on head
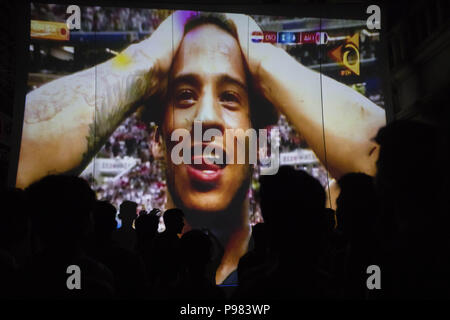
254 53
296 91
163 44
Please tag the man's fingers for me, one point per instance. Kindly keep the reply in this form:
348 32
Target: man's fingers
171 30
179 20
240 22
245 26
166 39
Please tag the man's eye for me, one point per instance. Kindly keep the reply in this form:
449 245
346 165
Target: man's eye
230 98
185 98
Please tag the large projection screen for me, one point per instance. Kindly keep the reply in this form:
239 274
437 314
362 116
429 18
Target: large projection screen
97 108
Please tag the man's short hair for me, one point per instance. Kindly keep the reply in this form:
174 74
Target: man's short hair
128 209
262 112
172 215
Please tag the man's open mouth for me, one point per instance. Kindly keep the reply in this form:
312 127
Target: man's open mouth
206 168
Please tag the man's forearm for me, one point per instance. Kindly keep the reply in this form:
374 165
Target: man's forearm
67 120
347 121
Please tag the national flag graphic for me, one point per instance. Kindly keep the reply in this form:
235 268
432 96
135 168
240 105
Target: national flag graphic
257 36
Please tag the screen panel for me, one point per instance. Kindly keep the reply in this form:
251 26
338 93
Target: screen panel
129 164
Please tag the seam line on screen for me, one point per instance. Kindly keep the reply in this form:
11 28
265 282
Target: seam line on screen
95 110
248 41
323 118
172 106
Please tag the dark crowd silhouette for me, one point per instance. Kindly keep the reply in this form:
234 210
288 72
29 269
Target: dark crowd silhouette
397 221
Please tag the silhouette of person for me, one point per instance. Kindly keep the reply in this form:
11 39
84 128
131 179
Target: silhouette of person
412 184
126 235
357 205
127 267
61 214
292 204
167 251
15 232
195 282
332 260
146 230
146 226
256 258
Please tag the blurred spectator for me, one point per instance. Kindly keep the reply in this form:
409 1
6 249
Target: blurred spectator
414 217
15 239
194 280
167 249
357 205
127 267
61 216
146 230
126 235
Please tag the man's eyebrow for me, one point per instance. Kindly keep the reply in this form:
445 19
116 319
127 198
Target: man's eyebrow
187 78
194 80
227 79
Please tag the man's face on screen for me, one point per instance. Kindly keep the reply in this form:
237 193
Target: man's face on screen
208 85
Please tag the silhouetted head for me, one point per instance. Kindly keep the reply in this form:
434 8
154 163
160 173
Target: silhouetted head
62 208
357 203
147 225
128 212
292 204
412 155
104 217
174 220
196 248
290 191
412 182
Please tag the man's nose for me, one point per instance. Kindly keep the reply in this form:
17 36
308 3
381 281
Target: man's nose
209 113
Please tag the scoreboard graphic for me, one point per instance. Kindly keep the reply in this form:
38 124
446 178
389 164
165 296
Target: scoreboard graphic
293 38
